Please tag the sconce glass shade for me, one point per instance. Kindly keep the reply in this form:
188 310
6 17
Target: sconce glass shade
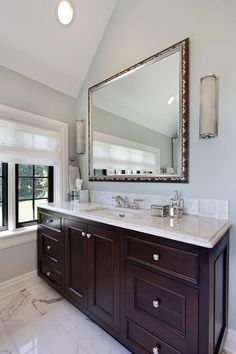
208 107
80 136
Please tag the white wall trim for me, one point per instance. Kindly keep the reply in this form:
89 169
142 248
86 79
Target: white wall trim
18 237
13 285
230 344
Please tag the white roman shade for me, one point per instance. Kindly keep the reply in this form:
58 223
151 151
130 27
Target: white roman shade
28 136
110 152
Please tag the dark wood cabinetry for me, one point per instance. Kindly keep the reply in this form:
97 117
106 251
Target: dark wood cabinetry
76 251
51 250
92 270
154 295
104 275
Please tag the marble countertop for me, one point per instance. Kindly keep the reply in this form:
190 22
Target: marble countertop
196 230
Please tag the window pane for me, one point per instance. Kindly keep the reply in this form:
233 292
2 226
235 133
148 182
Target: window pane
41 171
26 211
0 169
0 189
25 170
41 187
1 221
37 203
25 188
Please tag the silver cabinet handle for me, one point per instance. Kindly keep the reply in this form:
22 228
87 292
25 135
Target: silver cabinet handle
156 257
89 235
155 304
49 247
155 350
48 274
83 233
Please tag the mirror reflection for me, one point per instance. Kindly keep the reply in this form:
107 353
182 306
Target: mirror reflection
135 122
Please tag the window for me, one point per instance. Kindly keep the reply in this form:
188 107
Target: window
3 196
34 186
35 152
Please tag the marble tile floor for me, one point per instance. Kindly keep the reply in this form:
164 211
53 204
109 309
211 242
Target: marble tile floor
37 320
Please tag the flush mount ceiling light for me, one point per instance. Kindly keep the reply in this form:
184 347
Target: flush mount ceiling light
65 12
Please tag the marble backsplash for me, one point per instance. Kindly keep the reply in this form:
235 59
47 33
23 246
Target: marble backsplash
212 208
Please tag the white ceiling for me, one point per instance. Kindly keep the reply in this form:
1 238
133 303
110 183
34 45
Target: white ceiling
142 97
35 44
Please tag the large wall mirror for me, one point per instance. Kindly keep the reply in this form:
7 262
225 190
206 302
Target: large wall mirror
138 121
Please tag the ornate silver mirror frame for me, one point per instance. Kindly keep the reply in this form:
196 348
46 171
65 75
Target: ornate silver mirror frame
183 49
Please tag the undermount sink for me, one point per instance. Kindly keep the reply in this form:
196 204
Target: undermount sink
117 213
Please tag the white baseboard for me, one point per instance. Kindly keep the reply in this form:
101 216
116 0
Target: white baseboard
13 285
230 344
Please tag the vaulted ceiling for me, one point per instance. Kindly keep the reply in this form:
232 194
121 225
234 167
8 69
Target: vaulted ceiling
35 44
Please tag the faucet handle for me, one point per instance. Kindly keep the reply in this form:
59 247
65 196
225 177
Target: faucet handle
116 197
135 204
117 200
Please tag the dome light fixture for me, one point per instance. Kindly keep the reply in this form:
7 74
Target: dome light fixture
65 12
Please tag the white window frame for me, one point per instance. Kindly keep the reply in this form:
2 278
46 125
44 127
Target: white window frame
13 155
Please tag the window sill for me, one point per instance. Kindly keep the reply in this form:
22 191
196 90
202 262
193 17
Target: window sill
18 237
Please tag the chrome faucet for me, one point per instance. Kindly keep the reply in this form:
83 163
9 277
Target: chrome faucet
122 202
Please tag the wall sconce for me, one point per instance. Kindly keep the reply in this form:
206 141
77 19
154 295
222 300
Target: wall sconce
80 136
208 107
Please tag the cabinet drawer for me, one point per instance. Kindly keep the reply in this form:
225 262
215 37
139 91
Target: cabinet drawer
49 246
174 261
163 306
143 342
51 274
51 221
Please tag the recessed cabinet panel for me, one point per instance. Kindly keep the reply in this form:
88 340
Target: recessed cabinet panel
76 262
220 296
161 303
170 260
50 246
103 250
50 221
51 274
143 342
163 306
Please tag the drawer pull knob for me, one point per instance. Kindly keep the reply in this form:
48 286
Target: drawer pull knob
89 235
48 274
49 247
155 350
156 257
83 233
49 220
155 304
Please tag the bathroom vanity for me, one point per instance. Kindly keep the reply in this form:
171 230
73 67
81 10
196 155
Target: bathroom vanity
157 285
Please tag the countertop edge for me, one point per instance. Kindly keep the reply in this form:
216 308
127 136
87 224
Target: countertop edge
171 235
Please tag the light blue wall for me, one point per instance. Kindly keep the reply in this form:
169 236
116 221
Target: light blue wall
23 93
28 95
140 28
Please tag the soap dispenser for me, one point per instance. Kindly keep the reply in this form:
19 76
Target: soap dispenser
176 207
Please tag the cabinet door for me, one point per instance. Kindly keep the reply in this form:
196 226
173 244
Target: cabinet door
76 262
103 257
